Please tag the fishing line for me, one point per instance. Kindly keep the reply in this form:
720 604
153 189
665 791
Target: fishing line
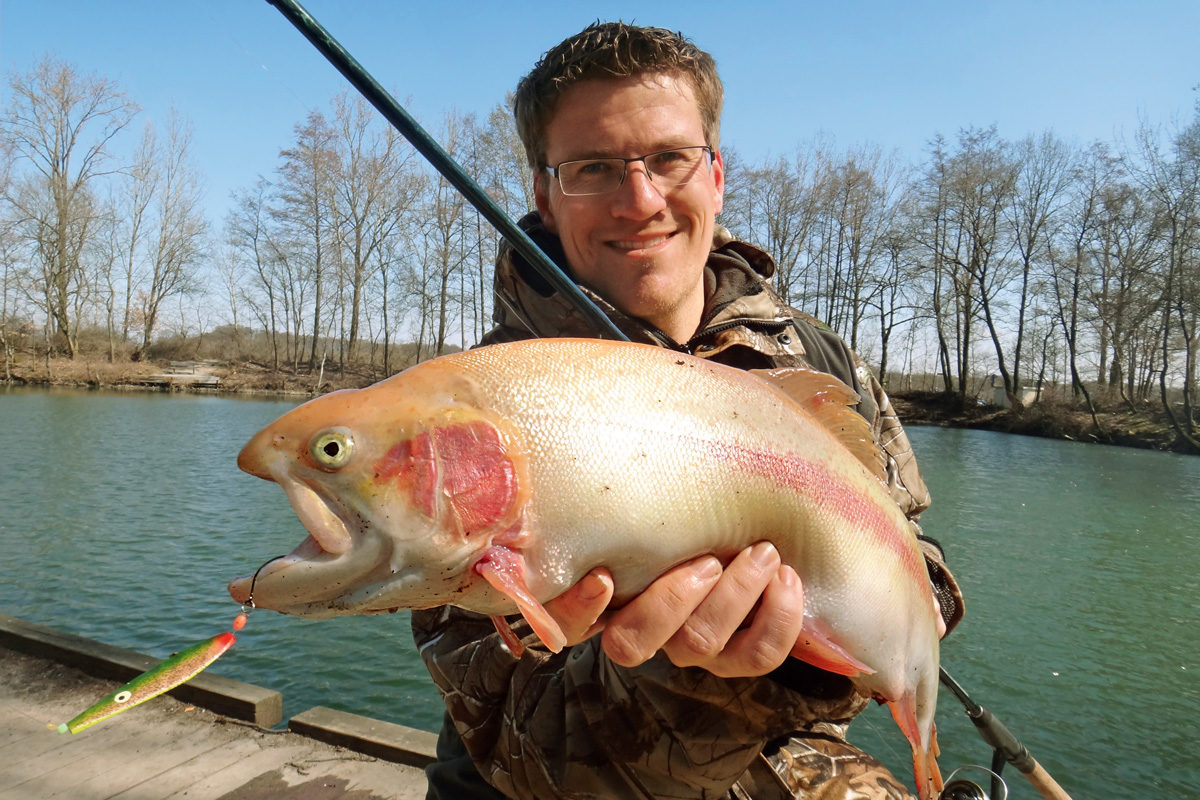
512 309
250 597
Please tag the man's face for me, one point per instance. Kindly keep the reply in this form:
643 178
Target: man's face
643 246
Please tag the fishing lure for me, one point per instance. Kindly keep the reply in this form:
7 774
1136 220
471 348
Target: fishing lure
178 669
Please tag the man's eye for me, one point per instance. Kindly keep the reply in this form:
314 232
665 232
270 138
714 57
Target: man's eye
594 168
667 159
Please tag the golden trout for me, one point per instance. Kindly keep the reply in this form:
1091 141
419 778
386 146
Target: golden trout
495 478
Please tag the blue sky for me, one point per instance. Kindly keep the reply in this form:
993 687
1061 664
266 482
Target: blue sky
886 73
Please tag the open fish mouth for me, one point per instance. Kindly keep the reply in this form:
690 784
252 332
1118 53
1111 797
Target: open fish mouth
317 572
322 516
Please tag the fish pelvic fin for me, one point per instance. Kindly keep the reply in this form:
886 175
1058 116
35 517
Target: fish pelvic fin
508 636
817 646
926 774
831 403
504 569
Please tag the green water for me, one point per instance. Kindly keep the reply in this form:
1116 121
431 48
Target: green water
123 516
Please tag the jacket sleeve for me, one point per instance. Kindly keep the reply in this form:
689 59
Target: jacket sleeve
576 725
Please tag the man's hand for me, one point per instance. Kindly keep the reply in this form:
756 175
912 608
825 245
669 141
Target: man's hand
739 621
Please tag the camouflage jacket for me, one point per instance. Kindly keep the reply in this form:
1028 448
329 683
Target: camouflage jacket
575 725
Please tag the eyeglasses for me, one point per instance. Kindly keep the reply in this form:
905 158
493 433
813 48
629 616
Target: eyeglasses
603 175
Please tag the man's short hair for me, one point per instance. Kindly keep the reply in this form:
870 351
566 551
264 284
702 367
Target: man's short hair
613 50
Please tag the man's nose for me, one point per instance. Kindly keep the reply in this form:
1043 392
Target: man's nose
638 195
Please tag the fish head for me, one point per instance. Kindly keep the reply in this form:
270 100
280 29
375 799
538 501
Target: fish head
400 486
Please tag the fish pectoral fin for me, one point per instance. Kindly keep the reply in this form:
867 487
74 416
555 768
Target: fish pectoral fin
817 647
504 569
926 773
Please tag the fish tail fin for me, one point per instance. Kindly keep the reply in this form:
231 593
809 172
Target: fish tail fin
926 773
504 569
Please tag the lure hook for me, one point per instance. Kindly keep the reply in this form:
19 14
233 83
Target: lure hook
250 598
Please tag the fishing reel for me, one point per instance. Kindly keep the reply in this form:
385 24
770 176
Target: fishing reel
966 788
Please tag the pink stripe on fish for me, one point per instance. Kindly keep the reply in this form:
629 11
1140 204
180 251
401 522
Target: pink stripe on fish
828 492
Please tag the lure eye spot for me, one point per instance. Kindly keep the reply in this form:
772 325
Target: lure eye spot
122 697
332 449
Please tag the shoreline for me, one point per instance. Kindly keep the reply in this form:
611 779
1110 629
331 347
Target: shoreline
1121 427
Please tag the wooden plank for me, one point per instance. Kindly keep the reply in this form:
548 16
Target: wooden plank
237 774
385 740
185 775
121 765
93 763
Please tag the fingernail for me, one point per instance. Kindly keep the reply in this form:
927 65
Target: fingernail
764 554
708 569
594 585
788 576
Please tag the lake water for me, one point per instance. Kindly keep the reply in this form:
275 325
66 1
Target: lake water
122 516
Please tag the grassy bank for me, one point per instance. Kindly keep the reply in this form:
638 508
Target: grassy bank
247 377
1146 428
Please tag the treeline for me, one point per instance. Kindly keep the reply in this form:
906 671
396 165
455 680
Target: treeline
1039 261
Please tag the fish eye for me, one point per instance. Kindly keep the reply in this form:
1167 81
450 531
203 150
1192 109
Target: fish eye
332 449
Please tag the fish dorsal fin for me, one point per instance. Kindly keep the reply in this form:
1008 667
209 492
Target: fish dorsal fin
831 403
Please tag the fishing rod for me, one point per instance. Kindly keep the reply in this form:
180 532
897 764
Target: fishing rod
1005 745
427 146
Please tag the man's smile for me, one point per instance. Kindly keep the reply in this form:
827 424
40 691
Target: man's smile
639 244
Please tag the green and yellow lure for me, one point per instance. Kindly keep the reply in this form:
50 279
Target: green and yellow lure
179 668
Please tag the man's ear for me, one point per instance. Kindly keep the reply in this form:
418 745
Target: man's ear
541 198
718 168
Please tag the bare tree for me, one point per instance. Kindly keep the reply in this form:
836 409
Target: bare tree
131 210
7 273
1172 177
981 189
1043 176
949 296
306 212
246 228
178 243
498 160
369 197
1072 263
861 196
775 206
60 125
1127 286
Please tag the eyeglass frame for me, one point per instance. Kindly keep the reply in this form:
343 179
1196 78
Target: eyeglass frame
553 170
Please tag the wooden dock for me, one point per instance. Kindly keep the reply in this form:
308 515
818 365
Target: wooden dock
185 373
173 748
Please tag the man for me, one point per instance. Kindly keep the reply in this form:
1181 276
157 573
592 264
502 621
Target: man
687 691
